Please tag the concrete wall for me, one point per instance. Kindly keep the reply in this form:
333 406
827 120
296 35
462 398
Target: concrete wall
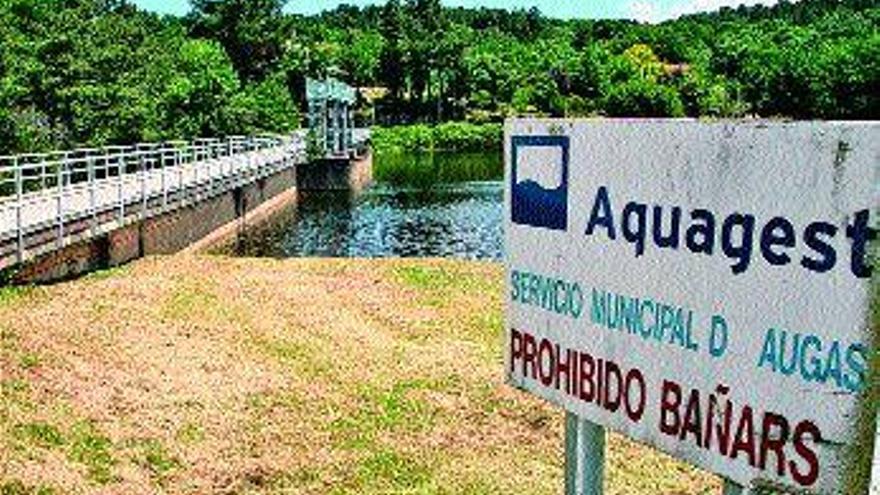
339 174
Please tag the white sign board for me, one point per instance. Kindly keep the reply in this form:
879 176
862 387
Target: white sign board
701 287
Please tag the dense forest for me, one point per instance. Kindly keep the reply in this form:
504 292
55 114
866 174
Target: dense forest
76 72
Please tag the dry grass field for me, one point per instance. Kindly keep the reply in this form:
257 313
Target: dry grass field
200 374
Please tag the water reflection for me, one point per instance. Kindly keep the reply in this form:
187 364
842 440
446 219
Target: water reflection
422 206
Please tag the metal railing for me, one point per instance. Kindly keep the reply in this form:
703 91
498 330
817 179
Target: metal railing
48 200
26 173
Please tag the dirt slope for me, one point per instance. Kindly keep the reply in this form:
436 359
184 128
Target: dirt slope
197 374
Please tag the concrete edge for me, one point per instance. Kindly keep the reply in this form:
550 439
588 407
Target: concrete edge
229 230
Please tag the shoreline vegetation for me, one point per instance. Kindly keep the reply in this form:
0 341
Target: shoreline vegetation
197 374
448 136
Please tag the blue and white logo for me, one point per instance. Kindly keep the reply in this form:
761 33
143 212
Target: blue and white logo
539 181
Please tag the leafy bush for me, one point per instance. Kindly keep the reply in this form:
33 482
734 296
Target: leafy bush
450 136
641 98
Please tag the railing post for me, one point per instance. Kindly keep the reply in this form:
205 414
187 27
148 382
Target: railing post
142 164
66 174
229 166
210 167
251 159
244 163
93 207
258 158
195 166
230 160
19 199
120 182
181 192
59 199
164 185
236 164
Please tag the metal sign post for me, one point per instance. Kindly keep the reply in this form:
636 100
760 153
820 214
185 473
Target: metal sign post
731 488
585 459
584 456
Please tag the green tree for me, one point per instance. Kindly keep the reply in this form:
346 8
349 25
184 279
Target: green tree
76 72
195 97
426 22
266 106
251 31
392 61
361 57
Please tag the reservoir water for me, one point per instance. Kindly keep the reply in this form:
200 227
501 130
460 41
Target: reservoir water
440 204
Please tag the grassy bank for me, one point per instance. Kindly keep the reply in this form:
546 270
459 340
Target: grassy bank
429 169
450 136
217 375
